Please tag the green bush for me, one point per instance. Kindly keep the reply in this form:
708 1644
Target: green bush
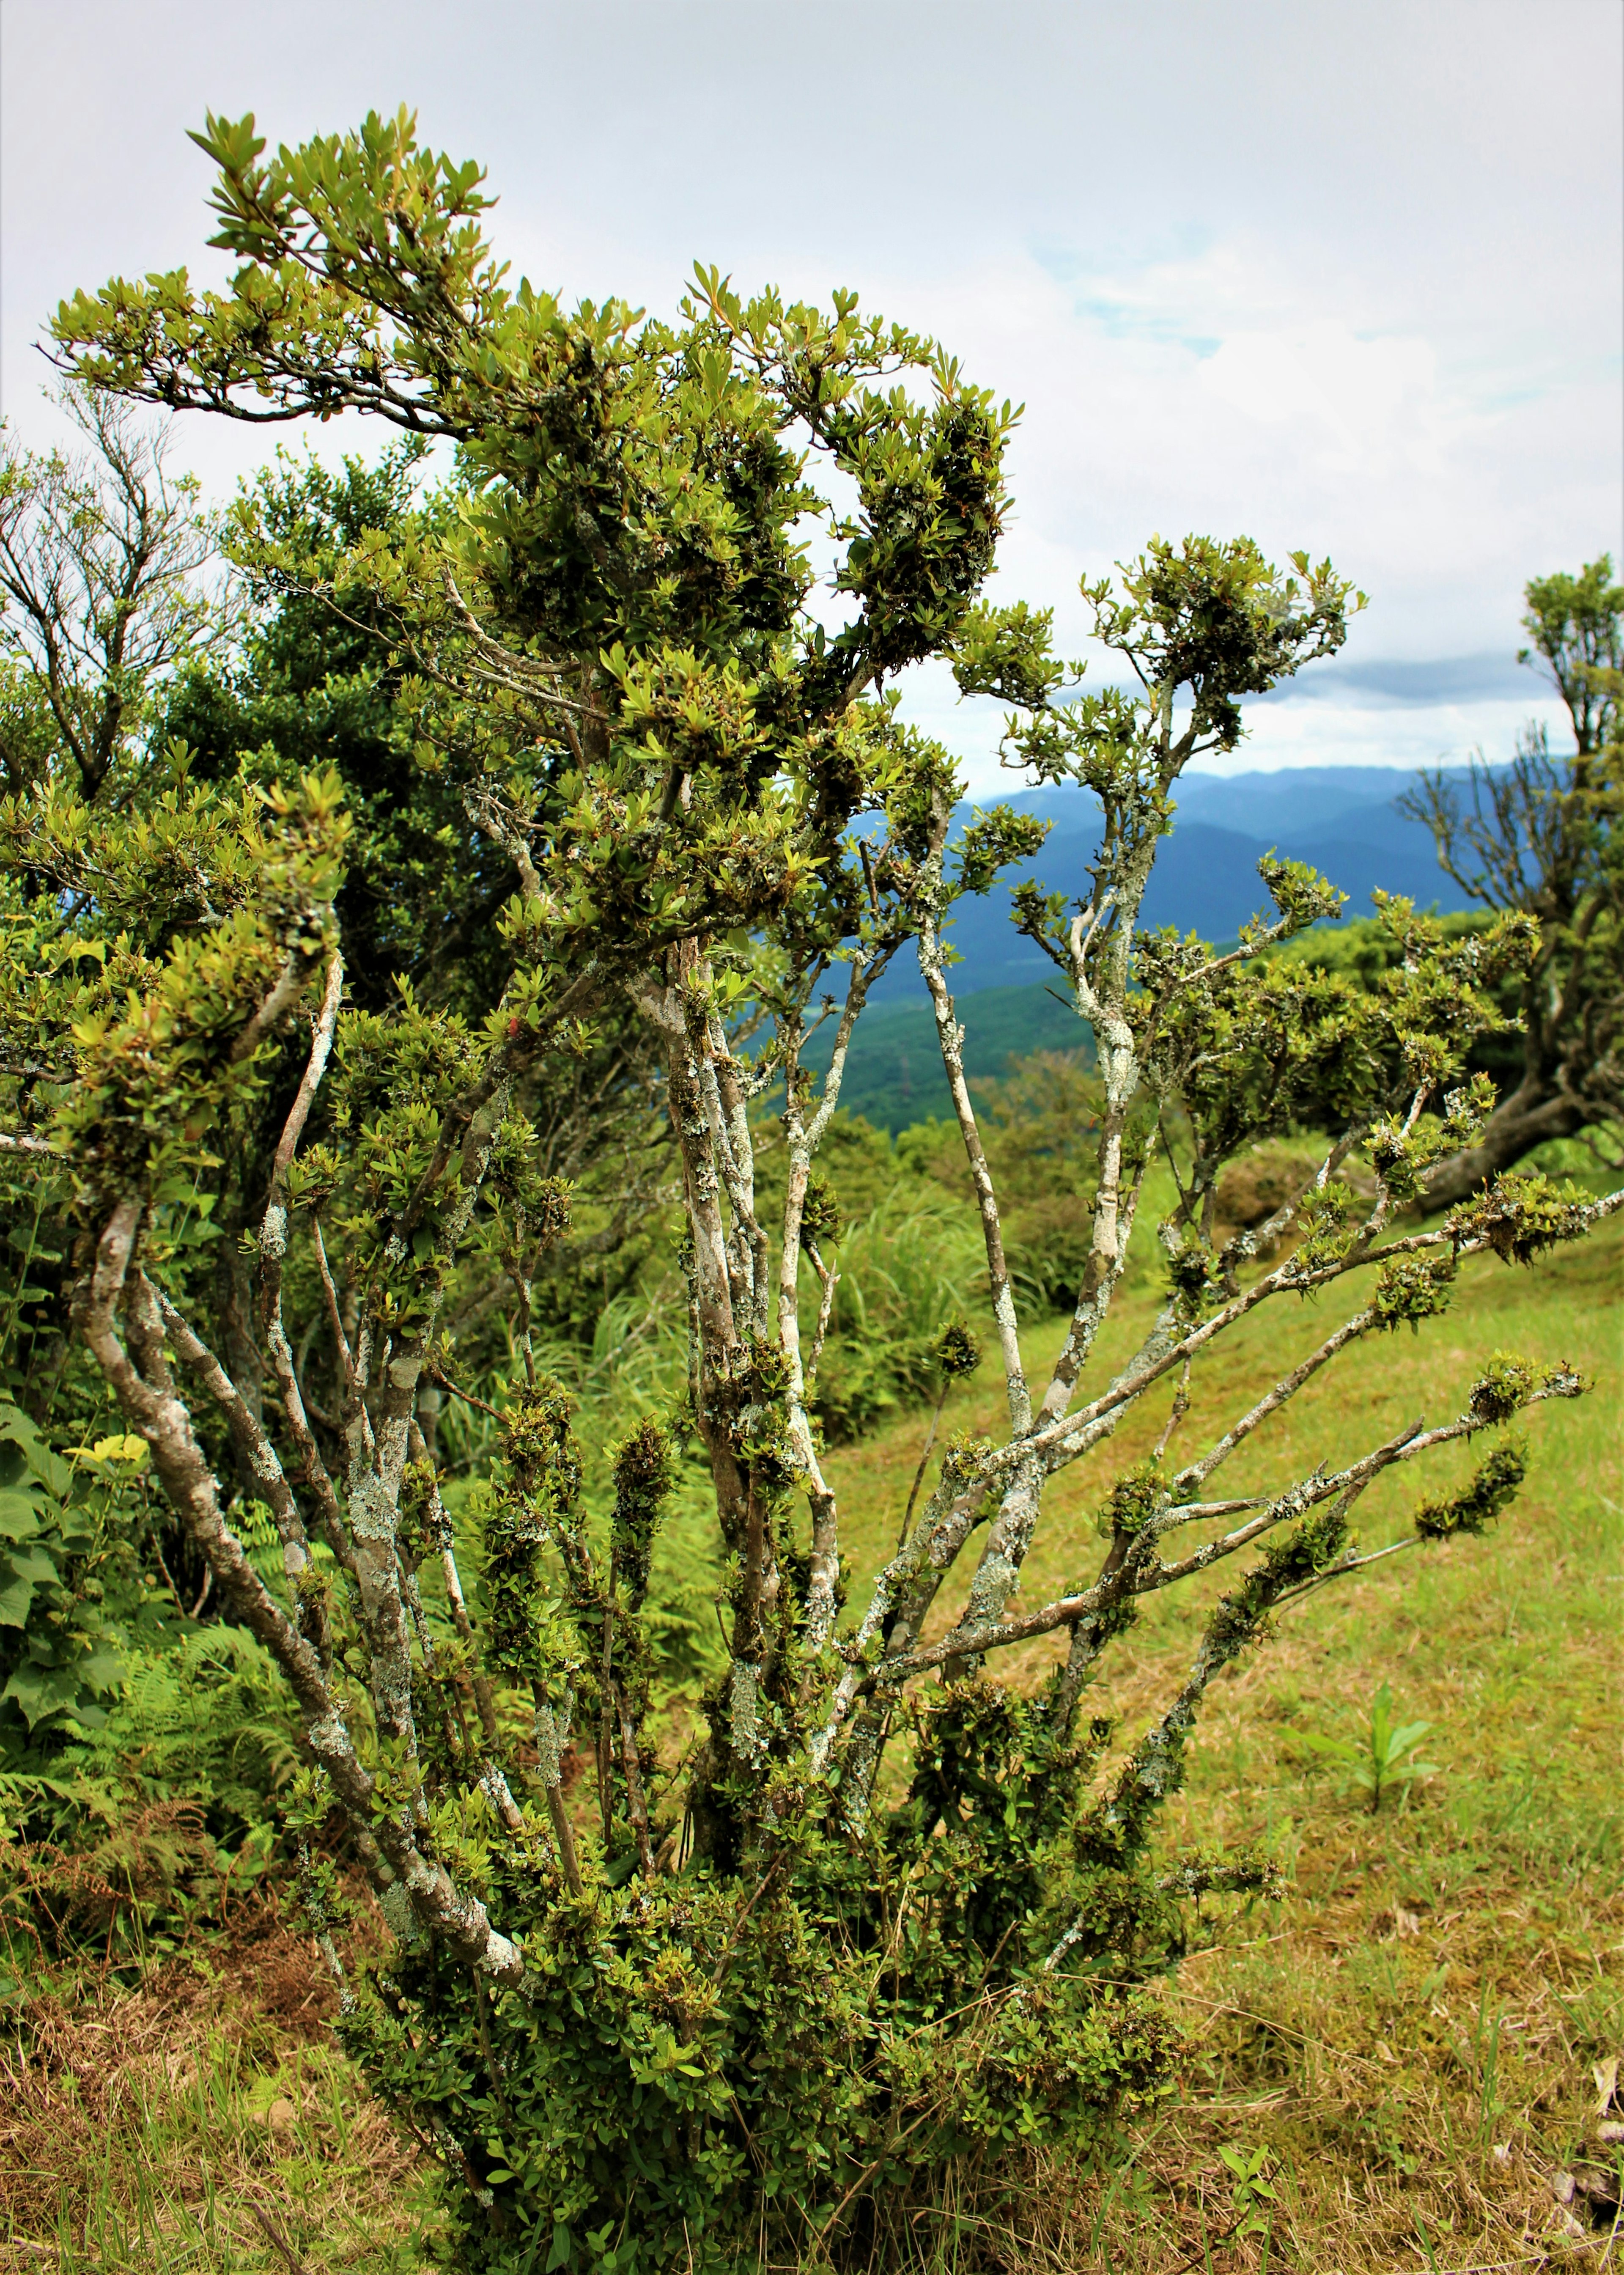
788 2059
71 1583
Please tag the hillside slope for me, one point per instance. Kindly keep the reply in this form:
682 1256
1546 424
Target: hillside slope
1408 2041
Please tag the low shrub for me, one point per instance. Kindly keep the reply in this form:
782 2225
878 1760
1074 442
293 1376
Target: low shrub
161 1814
790 2056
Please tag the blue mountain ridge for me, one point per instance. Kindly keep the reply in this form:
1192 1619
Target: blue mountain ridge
1342 820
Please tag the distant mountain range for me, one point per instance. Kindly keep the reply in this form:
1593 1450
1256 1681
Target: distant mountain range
1342 820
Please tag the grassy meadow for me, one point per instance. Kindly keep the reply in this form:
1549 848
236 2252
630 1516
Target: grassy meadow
1385 2067
1411 2037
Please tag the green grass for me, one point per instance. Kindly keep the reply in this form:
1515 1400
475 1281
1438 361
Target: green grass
1411 2035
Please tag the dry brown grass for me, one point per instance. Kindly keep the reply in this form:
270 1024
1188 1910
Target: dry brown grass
200 2122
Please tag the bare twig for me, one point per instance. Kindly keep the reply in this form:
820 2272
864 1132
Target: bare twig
278 2241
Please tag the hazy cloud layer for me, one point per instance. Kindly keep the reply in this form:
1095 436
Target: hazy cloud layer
1343 278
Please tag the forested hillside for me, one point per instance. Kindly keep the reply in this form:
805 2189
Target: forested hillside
1344 821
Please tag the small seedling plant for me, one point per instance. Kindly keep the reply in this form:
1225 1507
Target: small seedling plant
1253 2193
887 1917
1378 1762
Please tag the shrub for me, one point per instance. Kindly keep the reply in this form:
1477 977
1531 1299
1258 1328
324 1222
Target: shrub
713 2062
163 1812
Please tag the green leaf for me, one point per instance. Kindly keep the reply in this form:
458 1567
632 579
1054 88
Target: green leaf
1338 1749
42 1691
54 1473
19 1515
102 1669
21 1572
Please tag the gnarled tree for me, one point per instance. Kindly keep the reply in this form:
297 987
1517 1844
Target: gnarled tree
880 1917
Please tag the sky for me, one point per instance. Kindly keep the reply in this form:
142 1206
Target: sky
1343 278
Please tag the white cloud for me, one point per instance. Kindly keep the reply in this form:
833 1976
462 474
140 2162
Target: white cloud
1308 733
1183 400
1346 279
1371 404
1342 729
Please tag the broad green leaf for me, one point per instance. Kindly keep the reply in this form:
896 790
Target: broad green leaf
42 1691
19 1515
22 1570
54 1473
